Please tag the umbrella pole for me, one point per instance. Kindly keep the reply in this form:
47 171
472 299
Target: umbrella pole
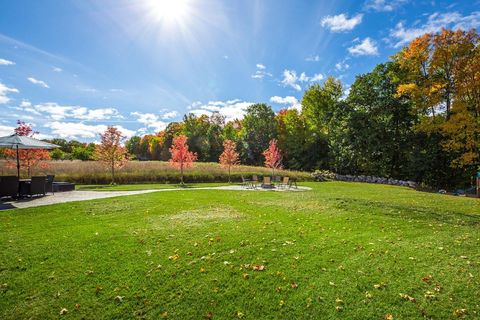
18 164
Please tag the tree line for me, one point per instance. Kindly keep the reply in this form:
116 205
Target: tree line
414 117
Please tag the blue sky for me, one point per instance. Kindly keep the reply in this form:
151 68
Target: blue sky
72 67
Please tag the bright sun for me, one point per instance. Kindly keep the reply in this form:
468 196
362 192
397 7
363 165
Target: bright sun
168 10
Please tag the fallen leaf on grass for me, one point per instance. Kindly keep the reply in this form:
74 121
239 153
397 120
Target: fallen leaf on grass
77 306
429 295
119 298
388 317
63 311
294 285
338 301
246 276
240 314
175 257
380 285
98 289
460 313
259 267
407 297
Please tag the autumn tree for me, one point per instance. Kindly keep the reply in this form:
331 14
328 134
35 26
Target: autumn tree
110 150
181 157
229 156
442 79
29 158
273 158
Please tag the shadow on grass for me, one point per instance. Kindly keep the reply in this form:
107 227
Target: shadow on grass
411 212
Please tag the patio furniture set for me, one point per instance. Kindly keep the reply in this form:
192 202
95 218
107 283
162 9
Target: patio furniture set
267 183
13 187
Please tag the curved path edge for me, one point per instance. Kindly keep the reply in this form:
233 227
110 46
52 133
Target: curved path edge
83 195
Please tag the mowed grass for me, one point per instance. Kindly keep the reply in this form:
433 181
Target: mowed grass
342 250
144 186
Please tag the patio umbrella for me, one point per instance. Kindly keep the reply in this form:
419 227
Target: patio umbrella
19 142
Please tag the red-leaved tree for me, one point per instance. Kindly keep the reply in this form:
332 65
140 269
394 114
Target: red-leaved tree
29 158
110 150
273 157
181 158
229 156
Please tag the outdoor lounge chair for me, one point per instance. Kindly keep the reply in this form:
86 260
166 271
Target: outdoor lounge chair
292 182
267 183
285 183
37 186
49 184
8 186
254 181
246 183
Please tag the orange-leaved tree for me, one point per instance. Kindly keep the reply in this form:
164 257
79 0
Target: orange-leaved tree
29 158
181 158
273 157
110 150
229 156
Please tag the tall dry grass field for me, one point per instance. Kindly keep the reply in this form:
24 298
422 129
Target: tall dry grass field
93 172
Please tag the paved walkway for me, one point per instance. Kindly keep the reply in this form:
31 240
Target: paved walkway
80 195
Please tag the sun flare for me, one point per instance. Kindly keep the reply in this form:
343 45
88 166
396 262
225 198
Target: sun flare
168 10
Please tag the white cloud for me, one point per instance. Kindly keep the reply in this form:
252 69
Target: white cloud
367 47
316 77
290 79
38 82
231 109
384 5
435 22
170 115
54 111
260 73
6 130
4 90
4 62
150 121
290 101
313 58
57 69
341 22
75 130
342 65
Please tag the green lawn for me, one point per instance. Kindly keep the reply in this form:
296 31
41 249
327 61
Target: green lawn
342 250
144 186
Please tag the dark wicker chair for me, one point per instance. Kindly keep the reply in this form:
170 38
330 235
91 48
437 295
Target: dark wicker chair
49 184
37 186
8 186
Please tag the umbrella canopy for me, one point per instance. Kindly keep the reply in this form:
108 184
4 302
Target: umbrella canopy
19 142
16 141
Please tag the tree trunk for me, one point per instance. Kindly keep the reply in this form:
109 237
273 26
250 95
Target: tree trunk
229 179
113 172
181 174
